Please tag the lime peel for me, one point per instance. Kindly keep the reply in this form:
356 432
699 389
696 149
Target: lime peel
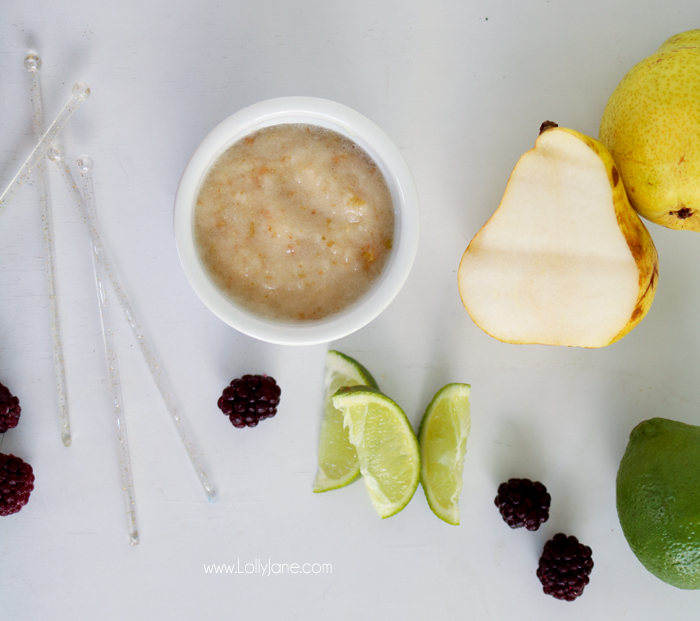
658 502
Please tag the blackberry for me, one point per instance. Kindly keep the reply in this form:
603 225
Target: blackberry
523 503
564 567
16 483
9 410
250 399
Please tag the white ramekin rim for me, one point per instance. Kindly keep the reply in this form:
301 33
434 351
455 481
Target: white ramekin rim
367 135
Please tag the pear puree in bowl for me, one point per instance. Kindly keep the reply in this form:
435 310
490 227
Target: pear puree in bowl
294 222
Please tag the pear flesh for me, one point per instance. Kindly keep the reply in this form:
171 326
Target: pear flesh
651 126
565 260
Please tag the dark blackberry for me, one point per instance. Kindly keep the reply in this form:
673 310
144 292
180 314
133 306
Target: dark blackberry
9 410
16 483
523 503
564 567
250 399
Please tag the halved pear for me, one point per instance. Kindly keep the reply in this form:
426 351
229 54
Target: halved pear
565 260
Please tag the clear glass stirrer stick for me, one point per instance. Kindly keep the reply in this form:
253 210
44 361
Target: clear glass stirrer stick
81 92
32 63
161 379
56 154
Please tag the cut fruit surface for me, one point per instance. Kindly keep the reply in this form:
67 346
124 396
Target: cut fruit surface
443 445
386 446
337 458
565 260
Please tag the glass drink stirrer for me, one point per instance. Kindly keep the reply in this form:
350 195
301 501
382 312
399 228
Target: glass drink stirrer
81 92
32 64
156 369
56 154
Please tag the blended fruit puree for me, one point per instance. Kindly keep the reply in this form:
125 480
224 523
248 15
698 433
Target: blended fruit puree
294 222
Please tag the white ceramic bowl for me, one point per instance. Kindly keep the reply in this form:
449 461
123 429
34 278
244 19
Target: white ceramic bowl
357 128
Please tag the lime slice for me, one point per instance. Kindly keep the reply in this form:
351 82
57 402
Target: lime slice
337 457
386 446
443 444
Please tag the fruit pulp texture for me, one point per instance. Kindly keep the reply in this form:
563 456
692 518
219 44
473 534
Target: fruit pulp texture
552 265
387 448
379 440
337 457
294 222
443 440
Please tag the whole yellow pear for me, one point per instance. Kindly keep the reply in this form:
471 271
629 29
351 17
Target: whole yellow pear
651 126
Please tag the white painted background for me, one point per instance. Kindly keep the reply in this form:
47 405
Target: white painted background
462 88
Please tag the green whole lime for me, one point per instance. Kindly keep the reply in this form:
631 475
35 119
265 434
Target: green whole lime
658 499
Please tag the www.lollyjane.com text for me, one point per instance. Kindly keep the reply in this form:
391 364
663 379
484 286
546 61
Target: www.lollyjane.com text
268 568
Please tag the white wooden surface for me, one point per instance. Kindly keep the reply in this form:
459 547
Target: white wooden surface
462 88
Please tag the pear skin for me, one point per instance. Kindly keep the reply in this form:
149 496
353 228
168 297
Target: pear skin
638 239
651 126
502 304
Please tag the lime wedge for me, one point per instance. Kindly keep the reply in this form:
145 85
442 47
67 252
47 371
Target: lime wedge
337 457
443 444
387 448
